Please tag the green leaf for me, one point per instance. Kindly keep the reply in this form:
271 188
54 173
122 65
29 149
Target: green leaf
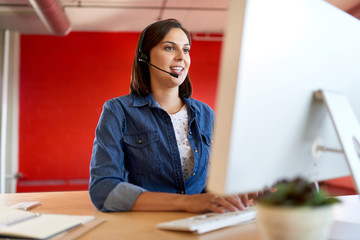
297 192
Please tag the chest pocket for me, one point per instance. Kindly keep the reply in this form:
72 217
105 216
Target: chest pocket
207 142
142 152
141 140
206 139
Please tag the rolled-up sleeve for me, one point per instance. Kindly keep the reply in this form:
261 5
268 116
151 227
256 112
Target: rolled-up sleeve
107 188
122 197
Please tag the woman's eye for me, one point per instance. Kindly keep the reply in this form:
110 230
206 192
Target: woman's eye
186 50
170 48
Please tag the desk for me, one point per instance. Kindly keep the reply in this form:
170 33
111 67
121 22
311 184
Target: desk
140 225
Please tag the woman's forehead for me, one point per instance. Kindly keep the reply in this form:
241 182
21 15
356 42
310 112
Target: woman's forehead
177 36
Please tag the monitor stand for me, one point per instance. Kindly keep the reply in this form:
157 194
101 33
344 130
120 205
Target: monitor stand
347 129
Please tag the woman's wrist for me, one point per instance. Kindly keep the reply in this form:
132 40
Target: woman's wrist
180 202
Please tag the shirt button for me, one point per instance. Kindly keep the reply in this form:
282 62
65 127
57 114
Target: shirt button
196 150
190 133
182 192
193 174
140 141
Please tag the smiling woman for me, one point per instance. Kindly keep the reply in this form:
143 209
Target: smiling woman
151 148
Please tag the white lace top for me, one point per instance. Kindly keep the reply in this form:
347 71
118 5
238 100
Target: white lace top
181 127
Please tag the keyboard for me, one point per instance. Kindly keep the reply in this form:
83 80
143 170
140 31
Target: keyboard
210 221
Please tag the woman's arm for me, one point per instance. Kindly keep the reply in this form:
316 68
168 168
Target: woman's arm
107 187
153 201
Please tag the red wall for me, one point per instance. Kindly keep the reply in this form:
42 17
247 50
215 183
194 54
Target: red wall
64 81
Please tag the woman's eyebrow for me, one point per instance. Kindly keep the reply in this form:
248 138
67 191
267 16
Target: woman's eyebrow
173 43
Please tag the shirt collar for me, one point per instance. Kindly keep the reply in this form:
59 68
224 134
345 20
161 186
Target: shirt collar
140 101
190 103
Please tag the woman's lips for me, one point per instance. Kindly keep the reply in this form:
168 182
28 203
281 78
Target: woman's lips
177 69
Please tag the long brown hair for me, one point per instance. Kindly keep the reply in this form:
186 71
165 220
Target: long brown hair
149 38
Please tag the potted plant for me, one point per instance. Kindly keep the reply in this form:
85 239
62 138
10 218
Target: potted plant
293 210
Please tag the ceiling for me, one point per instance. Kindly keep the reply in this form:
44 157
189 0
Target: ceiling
203 16
118 15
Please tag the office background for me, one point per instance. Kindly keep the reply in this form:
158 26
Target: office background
56 93
64 81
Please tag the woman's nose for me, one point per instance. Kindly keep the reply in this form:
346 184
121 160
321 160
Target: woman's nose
179 55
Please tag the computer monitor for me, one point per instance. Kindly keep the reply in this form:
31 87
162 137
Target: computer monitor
276 55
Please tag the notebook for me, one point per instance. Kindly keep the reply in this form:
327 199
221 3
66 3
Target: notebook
23 224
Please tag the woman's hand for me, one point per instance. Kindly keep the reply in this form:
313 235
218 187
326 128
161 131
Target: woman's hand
209 202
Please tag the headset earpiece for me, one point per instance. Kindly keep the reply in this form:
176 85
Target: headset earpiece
142 56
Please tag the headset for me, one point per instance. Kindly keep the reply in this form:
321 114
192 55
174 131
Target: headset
145 58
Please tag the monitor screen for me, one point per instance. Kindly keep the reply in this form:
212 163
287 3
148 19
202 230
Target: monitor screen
275 56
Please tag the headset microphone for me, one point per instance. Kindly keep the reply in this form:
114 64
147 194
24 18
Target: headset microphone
172 74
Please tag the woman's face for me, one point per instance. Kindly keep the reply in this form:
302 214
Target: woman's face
173 55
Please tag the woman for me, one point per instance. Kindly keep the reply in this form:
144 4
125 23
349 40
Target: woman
151 148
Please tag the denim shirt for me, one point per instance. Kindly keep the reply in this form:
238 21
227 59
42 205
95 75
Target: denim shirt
135 150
